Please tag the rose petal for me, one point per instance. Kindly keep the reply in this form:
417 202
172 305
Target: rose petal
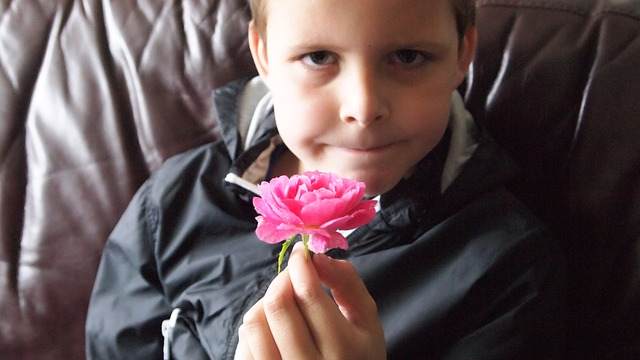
321 211
268 231
337 224
362 214
320 244
277 210
263 208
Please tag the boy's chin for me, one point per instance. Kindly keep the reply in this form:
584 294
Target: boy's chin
377 185
377 181
375 190
380 182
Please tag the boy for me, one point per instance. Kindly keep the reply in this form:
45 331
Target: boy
452 267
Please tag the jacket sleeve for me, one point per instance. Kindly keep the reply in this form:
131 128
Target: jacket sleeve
525 318
127 303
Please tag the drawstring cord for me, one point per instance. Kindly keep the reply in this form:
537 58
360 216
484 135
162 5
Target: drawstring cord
167 332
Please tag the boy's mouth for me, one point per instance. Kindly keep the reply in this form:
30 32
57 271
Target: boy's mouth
374 149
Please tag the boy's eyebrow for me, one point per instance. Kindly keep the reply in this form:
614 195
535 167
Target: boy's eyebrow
436 46
424 45
305 48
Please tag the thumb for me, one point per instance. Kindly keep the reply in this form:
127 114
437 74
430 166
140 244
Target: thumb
348 290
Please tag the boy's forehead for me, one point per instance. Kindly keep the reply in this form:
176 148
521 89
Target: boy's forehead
405 9
382 21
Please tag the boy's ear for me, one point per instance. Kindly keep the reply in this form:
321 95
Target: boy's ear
466 52
258 49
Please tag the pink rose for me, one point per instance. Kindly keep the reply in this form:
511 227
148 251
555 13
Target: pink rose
313 204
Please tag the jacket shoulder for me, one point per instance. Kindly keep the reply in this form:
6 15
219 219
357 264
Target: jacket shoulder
185 169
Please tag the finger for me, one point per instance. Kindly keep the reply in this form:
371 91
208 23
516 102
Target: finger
326 324
286 323
348 290
255 329
242 351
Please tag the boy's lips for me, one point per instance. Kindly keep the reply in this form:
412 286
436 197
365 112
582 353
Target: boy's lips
372 149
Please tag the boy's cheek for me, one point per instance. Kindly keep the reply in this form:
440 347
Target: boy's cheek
286 86
297 104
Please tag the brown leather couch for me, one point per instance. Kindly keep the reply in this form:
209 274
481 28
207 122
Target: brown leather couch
94 95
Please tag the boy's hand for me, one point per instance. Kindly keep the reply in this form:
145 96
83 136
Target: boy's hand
296 319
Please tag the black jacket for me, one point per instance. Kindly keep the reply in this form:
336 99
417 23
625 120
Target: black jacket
468 274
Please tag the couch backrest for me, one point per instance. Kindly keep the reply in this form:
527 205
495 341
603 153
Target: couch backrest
558 84
93 96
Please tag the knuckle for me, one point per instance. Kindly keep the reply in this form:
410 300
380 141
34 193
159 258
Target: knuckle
349 273
242 331
307 294
343 351
371 305
275 302
346 266
247 329
354 348
251 316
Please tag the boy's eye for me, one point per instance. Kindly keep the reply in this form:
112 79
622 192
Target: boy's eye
318 58
408 57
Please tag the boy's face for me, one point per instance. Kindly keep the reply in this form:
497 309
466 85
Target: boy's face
361 88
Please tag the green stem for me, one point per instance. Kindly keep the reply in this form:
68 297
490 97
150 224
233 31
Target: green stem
305 242
283 252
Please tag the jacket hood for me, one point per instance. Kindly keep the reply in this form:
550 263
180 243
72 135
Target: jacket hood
245 114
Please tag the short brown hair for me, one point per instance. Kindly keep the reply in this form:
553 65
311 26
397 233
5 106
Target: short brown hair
464 10
465 13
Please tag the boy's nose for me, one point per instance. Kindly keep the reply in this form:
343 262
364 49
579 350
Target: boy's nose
362 102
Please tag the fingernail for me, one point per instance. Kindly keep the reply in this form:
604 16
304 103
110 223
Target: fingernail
297 246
